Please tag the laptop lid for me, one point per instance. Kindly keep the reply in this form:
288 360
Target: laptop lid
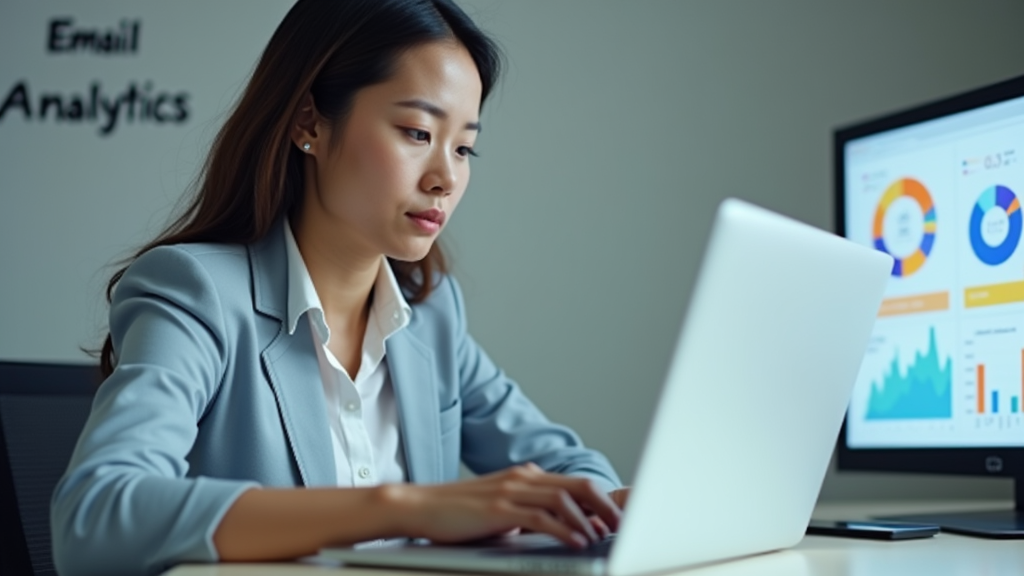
776 329
752 402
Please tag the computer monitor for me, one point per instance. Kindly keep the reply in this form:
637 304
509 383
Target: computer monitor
941 388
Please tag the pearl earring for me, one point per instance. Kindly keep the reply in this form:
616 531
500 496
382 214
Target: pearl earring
306 146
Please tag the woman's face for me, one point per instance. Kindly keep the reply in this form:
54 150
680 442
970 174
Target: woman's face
389 182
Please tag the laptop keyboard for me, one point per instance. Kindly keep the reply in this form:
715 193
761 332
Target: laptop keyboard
597 550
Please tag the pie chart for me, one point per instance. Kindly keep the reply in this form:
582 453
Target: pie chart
905 225
995 225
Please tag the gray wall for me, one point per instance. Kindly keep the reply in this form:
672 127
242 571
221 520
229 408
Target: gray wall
619 127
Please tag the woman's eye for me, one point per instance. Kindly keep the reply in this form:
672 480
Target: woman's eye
465 151
418 135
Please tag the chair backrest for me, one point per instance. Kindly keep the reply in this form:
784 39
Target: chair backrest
43 408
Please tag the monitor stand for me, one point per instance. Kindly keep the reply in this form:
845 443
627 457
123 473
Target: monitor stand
1002 524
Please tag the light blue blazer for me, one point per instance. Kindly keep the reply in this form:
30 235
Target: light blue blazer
212 396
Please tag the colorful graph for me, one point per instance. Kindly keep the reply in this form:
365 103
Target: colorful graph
1009 226
910 188
924 391
985 392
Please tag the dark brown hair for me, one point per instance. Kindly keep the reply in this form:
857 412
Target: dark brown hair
329 49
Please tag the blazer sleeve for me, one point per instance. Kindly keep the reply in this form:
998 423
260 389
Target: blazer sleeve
501 427
125 505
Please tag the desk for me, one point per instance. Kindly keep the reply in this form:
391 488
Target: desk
942 555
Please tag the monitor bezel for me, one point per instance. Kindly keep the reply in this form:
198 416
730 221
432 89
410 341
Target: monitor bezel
974 461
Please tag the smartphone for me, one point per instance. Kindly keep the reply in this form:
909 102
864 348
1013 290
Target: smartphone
871 529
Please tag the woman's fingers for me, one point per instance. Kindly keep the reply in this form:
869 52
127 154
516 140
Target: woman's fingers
597 502
540 520
582 490
602 529
571 509
554 500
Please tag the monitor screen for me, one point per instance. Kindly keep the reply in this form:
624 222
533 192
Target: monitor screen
945 366
940 188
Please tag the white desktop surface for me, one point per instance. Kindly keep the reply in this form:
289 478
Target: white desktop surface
941 555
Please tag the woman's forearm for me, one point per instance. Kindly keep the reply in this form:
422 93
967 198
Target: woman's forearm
276 524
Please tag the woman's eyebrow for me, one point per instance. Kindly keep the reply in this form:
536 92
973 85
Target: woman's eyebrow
434 111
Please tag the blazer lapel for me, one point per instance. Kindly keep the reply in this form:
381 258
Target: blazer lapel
411 366
291 365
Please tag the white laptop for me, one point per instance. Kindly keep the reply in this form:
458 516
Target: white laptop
749 412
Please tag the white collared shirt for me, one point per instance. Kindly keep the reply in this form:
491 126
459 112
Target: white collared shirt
362 412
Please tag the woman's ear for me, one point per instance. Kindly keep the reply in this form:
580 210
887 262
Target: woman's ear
304 128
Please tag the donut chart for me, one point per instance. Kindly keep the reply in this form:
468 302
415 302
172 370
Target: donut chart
995 197
907 187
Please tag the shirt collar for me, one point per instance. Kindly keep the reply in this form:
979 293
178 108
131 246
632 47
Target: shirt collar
390 311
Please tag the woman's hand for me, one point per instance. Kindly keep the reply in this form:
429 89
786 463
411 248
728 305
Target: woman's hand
619 497
522 497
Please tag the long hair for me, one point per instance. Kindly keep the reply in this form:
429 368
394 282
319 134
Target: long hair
329 49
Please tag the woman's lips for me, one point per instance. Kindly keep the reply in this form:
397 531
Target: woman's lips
428 220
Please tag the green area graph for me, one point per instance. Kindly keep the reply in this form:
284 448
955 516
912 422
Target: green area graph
923 391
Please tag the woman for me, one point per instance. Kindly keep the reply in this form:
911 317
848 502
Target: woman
288 365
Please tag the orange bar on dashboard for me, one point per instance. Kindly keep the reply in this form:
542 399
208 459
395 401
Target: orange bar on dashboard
912 304
981 388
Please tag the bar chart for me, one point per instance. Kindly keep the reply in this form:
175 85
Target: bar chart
992 387
987 395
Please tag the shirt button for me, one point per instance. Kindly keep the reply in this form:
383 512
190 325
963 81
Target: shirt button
364 472
351 407
396 314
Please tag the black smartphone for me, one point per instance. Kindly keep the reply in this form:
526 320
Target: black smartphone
871 529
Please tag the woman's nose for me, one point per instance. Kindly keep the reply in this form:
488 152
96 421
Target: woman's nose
440 177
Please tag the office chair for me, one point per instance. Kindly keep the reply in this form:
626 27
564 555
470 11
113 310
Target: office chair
43 408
